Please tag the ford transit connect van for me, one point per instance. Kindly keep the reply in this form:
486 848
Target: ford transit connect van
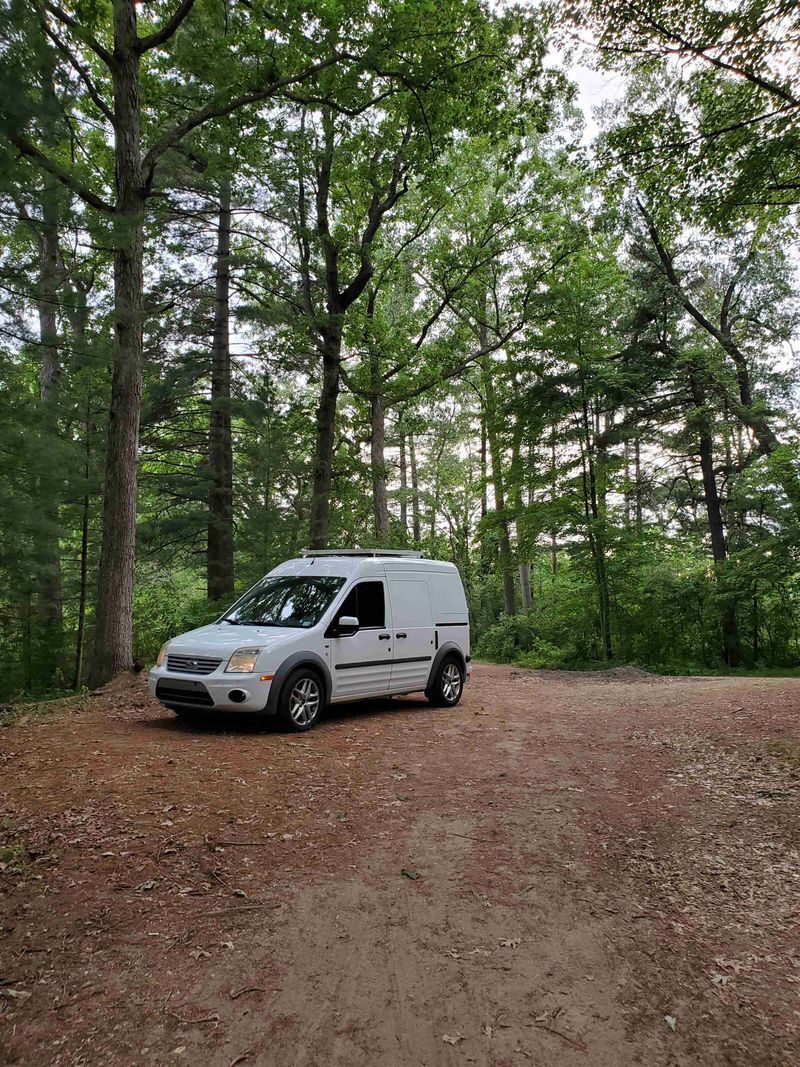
323 629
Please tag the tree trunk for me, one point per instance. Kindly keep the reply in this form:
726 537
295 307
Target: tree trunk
83 587
403 486
79 314
526 595
113 642
219 555
377 449
485 548
637 453
49 614
319 514
416 518
731 648
595 527
496 459
48 606
553 493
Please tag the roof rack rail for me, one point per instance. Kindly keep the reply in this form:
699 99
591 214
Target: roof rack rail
396 552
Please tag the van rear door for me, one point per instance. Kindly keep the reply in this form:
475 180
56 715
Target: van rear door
412 631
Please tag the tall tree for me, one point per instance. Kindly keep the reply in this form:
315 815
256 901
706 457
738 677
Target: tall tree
114 98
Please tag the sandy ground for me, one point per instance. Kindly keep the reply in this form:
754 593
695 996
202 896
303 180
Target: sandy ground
561 870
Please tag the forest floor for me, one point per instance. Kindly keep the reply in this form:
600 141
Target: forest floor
563 870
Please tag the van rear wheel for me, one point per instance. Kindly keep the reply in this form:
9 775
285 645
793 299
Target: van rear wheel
300 702
448 684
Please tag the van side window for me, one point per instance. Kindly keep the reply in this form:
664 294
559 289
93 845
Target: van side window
367 602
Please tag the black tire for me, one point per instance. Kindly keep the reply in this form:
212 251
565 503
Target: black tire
302 700
447 686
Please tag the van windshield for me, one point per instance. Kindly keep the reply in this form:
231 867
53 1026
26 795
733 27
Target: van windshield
285 601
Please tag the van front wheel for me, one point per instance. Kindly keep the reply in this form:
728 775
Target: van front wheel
448 684
300 702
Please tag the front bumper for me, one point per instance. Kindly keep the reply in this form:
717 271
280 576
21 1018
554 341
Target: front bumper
210 692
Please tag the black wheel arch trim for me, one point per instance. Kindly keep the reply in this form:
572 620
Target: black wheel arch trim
449 648
291 663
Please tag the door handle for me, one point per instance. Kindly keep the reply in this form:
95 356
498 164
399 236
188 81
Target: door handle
383 637
400 635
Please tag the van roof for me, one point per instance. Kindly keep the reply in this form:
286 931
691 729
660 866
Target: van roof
347 564
392 552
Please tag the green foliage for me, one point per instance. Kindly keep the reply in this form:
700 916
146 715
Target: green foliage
165 604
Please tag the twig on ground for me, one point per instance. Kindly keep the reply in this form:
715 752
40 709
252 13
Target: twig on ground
574 1041
212 1018
236 993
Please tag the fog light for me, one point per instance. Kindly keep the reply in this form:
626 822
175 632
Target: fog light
237 696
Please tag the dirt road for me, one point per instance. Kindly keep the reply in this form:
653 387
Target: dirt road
559 871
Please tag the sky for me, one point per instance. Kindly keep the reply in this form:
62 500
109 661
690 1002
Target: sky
595 87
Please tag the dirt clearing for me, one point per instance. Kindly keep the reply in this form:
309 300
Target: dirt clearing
558 871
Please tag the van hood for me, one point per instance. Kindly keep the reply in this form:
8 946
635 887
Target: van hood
221 639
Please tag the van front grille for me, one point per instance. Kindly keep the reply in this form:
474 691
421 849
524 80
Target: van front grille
199 697
192 664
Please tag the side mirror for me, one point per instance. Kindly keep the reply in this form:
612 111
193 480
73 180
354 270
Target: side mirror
346 626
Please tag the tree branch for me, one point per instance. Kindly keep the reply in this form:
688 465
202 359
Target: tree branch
80 32
83 74
378 208
153 40
220 109
29 149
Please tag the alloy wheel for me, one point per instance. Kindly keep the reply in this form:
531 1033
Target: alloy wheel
304 701
451 682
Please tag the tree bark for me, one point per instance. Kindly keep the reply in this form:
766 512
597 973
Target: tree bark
113 642
496 460
525 592
319 513
219 554
526 595
83 586
377 437
49 612
403 485
79 314
553 492
731 647
637 454
416 518
48 601
595 526
380 499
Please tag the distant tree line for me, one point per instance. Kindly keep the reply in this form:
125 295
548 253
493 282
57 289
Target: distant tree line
332 274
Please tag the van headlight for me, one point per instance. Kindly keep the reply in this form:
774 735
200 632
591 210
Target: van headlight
162 654
243 661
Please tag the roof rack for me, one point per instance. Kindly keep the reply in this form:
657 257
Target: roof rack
396 552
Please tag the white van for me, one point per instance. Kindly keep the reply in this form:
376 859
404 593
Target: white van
326 628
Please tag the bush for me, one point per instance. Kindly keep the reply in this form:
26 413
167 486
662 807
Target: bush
541 654
165 605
